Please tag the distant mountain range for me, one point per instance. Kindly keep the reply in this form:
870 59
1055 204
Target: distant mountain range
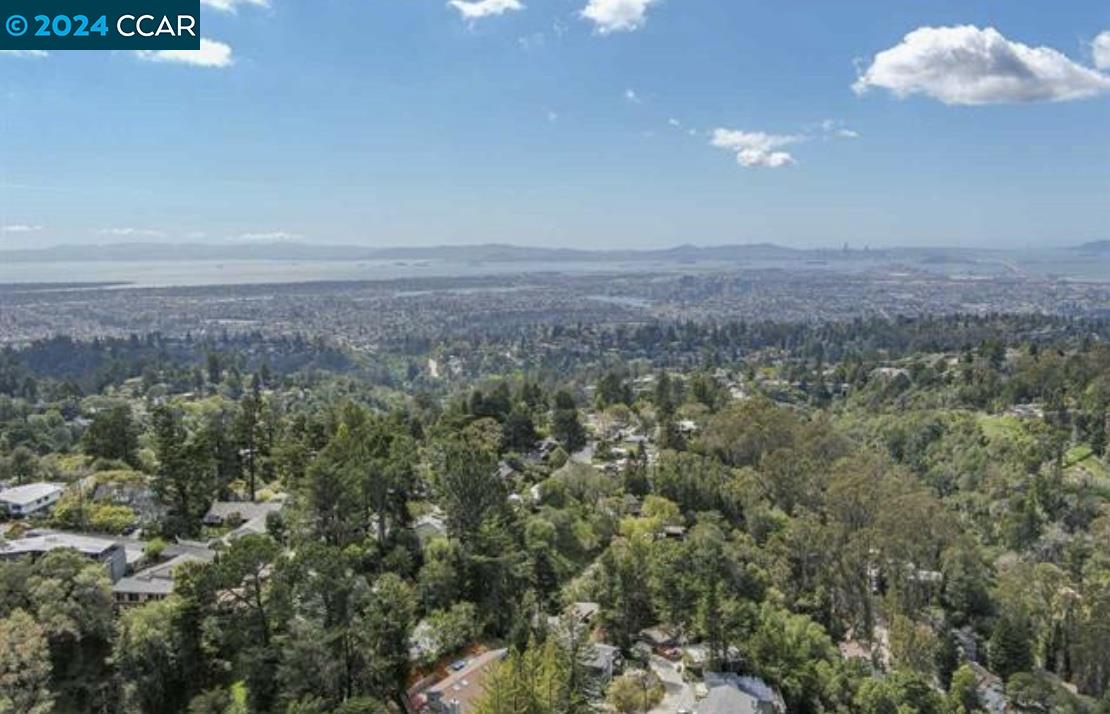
1096 247
484 253
283 250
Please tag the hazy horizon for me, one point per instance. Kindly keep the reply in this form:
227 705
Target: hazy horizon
628 247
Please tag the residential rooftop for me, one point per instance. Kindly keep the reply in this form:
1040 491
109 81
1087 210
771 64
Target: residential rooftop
734 694
29 493
221 511
89 545
157 580
463 688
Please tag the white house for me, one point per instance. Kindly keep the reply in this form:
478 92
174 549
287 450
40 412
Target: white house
30 498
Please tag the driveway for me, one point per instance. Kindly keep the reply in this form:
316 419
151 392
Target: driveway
680 695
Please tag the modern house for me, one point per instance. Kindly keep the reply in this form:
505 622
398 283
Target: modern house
155 583
102 550
31 498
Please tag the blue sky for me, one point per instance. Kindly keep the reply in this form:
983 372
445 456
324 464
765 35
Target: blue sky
612 123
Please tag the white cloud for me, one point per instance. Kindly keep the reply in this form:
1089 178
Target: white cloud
132 232
836 128
1101 49
617 15
268 236
532 42
25 53
210 54
674 122
477 9
630 95
233 5
552 116
756 148
20 228
968 65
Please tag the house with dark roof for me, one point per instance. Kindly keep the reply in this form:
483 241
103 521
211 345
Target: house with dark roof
602 663
154 583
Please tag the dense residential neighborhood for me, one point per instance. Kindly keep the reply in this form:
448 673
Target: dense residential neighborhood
806 529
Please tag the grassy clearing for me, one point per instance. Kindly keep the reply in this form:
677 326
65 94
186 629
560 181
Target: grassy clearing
1082 466
1001 428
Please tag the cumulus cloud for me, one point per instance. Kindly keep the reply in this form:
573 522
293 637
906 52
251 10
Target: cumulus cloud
969 65
756 148
210 54
1101 49
233 5
630 95
20 228
477 9
617 15
25 53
